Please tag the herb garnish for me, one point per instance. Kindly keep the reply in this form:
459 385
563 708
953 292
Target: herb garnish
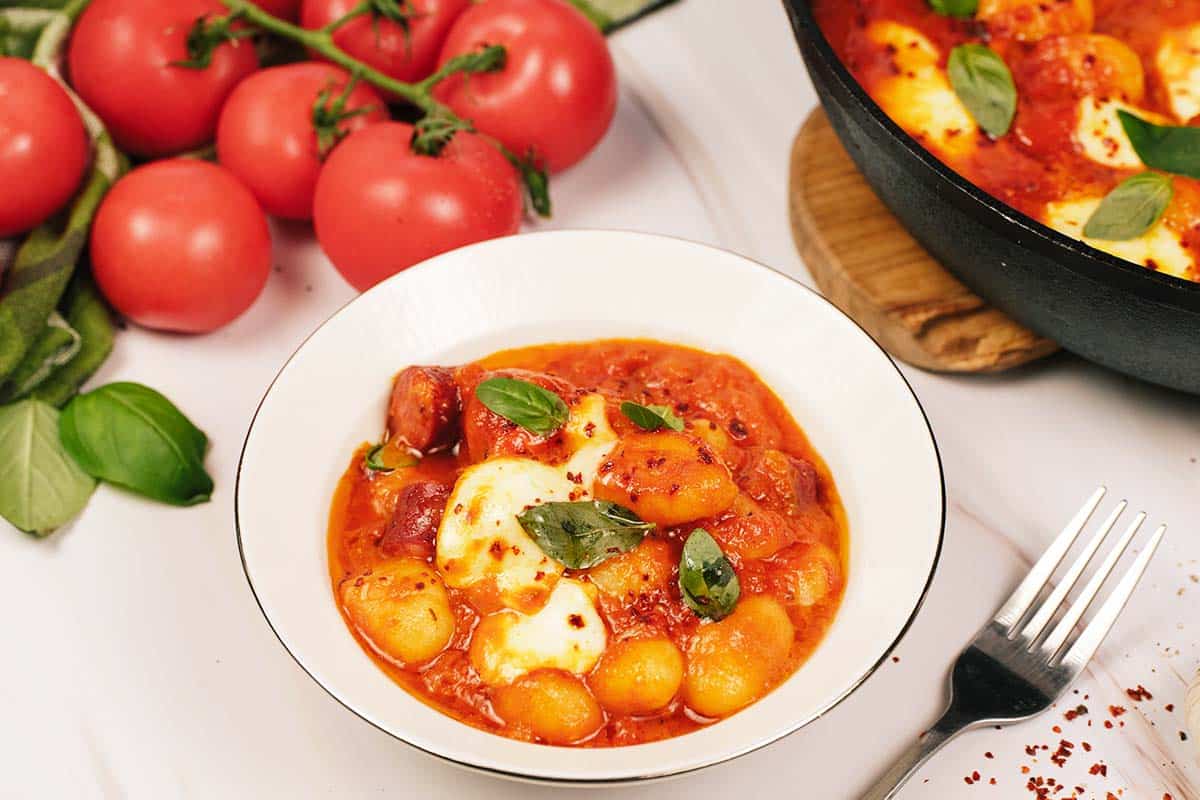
709 585
985 85
535 409
583 534
1131 209
1171 148
651 418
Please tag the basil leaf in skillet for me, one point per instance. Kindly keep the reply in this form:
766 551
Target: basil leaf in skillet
1131 209
535 409
709 585
131 436
984 84
41 486
651 418
954 8
1171 148
583 534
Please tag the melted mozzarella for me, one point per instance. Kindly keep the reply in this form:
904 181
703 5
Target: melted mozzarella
481 545
1159 247
1101 136
1178 63
567 634
919 98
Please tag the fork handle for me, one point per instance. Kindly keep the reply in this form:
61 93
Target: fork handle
950 725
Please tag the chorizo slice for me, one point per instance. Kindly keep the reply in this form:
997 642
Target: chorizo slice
424 409
413 527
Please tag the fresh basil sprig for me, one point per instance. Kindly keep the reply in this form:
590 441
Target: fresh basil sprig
709 585
131 436
985 85
1131 209
41 486
651 418
583 534
1171 148
535 409
955 8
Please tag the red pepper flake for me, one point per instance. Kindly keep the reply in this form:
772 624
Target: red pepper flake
1099 768
1108 724
1076 712
1087 748
1170 707
1056 729
1116 711
988 754
1139 694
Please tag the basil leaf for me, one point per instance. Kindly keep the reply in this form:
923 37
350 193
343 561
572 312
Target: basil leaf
1131 209
706 578
387 457
984 84
41 487
955 8
535 409
88 315
651 418
583 534
1171 148
131 436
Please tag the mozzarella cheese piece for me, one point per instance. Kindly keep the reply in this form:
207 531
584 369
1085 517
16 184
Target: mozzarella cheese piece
1101 136
481 546
1158 248
919 98
567 634
1178 64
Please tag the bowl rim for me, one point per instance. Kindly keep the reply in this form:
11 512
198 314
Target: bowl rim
1080 258
551 781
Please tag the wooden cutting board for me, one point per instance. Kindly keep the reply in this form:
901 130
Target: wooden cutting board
869 266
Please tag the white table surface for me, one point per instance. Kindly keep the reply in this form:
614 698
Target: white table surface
136 664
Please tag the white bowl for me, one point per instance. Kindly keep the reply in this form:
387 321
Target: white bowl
841 387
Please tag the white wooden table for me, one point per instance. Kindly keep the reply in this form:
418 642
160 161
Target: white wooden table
136 664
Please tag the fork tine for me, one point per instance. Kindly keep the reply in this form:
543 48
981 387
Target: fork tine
1041 619
1089 641
1066 625
1011 613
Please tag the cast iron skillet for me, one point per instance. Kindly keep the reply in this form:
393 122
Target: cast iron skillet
1103 308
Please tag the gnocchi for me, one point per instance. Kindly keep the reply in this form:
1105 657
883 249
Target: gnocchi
401 608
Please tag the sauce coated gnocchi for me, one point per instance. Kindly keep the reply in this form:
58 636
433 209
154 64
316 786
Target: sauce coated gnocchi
579 632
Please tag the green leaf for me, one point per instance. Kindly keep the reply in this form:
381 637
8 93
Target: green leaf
651 418
609 15
709 585
41 487
583 534
387 457
533 408
955 8
984 84
1131 209
55 348
88 315
131 436
1171 148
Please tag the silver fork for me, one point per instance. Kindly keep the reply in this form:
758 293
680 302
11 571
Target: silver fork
1023 661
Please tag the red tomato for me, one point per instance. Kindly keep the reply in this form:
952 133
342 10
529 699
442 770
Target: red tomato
382 43
558 91
121 61
285 9
180 245
43 146
267 138
380 207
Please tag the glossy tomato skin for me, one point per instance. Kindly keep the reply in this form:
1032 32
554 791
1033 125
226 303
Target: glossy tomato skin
266 136
43 146
384 44
380 207
180 245
557 93
121 63
284 9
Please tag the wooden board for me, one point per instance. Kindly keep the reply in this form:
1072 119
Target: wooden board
869 266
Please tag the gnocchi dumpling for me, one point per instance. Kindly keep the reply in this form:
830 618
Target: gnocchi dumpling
638 676
732 663
551 705
401 608
1034 20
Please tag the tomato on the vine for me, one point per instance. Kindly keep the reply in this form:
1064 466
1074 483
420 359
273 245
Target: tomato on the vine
268 134
406 55
284 9
43 146
123 60
557 92
180 245
380 207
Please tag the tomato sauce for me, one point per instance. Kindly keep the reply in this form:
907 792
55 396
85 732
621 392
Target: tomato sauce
719 398
1040 160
